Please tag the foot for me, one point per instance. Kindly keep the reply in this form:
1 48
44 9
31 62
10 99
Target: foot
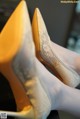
41 86
48 55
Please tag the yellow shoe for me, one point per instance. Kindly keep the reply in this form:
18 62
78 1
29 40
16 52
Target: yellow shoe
18 65
12 38
45 52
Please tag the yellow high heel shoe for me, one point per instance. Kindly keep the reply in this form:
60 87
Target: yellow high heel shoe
12 38
18 65
45 52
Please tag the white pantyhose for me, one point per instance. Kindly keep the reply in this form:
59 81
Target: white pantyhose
51 55
25 67
45 91
70 58
62 96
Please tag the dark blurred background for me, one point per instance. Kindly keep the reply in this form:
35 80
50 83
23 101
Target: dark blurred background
63 24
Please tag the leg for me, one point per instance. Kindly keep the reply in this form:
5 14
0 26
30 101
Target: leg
47 53
70 58
62 97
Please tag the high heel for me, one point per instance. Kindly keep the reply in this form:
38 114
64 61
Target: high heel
18 64
46 54
12 37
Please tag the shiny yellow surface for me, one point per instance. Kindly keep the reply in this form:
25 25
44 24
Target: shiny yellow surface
36 34
11 35
10 43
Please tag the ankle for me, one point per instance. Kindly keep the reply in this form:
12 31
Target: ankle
56 93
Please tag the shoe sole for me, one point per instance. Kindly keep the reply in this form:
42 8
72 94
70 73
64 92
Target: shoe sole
11 40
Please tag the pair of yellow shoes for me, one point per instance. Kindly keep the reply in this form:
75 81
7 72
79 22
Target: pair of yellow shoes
17 54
